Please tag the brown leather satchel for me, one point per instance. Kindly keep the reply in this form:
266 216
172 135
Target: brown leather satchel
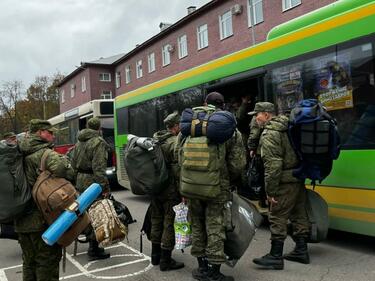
53 196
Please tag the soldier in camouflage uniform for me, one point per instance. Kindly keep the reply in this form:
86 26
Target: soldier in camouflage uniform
89 160
40 261
207 217
162 214
285 193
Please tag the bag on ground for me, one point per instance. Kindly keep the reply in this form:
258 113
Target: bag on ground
243 223
15 192
52 196
218 126
317 212
145 166
107 226
315 138
182 227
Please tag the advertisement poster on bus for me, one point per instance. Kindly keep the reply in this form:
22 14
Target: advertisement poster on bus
333 85
289 87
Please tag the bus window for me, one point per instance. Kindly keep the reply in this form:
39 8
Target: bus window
342 78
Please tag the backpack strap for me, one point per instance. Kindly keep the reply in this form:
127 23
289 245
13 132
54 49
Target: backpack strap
204 125
45 154
195 121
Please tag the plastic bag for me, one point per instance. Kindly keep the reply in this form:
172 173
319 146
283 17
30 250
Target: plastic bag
255 179
182 227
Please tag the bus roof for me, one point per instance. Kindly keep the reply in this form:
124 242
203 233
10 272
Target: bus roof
313 17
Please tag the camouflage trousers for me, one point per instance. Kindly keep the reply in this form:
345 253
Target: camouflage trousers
291 206
208 229
40 261
162 222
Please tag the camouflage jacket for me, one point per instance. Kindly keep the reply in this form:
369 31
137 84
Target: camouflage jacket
89 160
255 132
235 161
278 155
168 141
33 148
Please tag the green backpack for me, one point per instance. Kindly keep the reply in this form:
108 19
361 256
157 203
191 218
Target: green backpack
200 168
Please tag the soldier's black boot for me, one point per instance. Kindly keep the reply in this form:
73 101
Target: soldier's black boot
300 253
201 272
214 273
273 260
167 263
155 254
95 252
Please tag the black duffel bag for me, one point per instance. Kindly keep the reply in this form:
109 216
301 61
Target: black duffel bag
218 126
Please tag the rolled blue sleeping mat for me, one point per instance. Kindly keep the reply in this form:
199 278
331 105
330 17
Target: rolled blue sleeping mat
68 217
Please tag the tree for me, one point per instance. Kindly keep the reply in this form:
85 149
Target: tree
11 92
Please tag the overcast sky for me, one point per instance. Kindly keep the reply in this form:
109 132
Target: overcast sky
41 37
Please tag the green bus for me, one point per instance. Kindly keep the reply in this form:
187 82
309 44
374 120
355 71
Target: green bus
327 54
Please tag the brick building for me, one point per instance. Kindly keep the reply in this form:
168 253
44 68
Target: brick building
216 29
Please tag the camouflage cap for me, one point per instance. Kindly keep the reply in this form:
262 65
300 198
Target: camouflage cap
38 124
172 119
263 107
9 135
94 123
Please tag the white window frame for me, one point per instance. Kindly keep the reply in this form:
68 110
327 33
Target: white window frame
226 25
105 77
151 62
106 95
83 84
202 36
118 79
128 77
182 46
72 90
288 4
166 56
258 18
62 93
138 69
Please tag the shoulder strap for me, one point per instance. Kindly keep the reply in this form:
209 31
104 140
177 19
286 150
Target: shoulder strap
43 160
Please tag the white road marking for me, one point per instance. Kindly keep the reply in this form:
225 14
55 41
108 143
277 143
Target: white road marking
89 273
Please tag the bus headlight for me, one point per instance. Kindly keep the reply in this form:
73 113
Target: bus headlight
110 171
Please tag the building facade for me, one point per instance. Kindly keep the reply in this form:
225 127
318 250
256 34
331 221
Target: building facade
216 29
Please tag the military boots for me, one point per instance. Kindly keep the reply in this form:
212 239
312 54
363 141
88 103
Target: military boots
95 252
300 253
167 263
273 260
214 274
201 272
155 254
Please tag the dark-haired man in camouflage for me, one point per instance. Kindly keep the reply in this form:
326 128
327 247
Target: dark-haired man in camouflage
40 261
162 214
89 160
285 193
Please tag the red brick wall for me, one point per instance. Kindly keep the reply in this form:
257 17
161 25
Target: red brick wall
94 87
242 38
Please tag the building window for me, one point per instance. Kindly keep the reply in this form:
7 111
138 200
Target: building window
225 23
151 62
118 79
72 90
127 75
83 84
105 77
288 4
255 11
138 69
182 46
166 56
106 95
62 94
202 35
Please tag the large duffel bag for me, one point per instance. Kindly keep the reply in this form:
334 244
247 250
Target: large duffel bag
218 126
244 221
317 212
